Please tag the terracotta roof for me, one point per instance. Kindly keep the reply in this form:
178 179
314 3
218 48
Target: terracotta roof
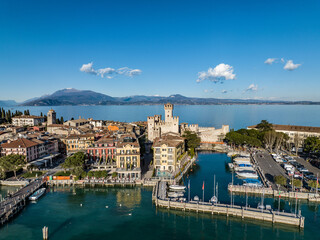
292 128
20 143
56 125
169 140
28 116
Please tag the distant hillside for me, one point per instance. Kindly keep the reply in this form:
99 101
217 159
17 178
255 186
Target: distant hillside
71 96
7 103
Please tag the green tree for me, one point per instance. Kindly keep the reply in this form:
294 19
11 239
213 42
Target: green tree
264 126
75 162
312 184
12 162
192 139
297 183
90 174
311 144
281 180
114 174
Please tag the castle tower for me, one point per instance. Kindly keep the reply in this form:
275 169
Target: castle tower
51 118
168 109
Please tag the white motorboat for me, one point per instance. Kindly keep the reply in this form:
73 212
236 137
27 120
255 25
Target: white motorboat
242 160
37 194
177 187
196 198
247 174
175 194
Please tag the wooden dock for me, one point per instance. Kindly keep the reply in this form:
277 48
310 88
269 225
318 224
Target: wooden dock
12 205
271 216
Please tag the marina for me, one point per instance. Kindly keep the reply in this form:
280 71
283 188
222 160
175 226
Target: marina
275 217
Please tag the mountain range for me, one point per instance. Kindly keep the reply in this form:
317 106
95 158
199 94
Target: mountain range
71 96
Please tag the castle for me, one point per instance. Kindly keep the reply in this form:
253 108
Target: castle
157 127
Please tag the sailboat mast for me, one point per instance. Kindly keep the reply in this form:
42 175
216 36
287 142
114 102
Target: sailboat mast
214 185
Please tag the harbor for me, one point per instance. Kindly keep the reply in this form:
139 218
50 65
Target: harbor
275 217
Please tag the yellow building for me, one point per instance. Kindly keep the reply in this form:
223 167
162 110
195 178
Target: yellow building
167 151
76 143
128 156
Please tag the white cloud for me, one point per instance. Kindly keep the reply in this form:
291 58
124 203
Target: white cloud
105 72
128 71
87 68
270 61
252 88
217 74
282 60
224 91
290 66
109 72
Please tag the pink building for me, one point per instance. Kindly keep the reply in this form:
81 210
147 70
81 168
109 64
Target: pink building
22 146
104 149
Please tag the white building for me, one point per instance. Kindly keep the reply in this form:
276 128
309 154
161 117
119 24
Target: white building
300 132
26 120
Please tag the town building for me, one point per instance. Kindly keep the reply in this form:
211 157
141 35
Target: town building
21 146
103 150
167 151
77 122
27 120
51 117
96 123
128 157
300 132
76 143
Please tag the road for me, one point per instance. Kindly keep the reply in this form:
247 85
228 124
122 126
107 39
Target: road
269 167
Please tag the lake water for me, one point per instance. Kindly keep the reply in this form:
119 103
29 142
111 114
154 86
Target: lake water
237 116
130 214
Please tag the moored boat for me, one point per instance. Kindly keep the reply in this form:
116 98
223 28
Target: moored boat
177 187
247 174
37 194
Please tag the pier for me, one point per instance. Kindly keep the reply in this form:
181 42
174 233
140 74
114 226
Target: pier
313 197
13 204
274 217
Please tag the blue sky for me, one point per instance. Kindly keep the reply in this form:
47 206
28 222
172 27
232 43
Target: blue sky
43 45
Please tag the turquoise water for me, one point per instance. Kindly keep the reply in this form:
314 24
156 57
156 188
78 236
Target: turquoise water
131 215
237 116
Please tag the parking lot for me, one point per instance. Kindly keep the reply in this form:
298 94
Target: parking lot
269 167
308 166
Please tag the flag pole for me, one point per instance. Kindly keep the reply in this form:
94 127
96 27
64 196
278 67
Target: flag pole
189 191
203 192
